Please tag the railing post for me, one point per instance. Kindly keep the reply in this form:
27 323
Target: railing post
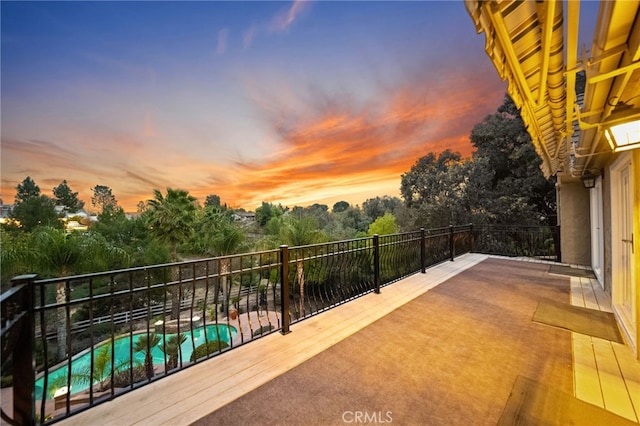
23 363
472 240
376 264
284 289
451 247
423 255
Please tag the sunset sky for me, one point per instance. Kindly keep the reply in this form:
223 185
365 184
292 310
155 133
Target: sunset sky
285 102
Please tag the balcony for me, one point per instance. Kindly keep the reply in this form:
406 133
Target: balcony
458 344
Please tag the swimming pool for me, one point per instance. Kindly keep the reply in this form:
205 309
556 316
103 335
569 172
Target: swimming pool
122 355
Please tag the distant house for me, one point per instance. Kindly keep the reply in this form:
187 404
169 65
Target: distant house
75 221
244 216
5 211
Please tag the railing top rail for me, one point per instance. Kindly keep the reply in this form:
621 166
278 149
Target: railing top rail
329 243
11 293
147 268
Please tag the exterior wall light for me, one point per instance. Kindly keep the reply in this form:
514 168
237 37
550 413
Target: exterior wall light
588 179
622 128
624 136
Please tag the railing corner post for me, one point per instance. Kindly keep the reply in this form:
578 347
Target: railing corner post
451 245
23 362
423 254
472 247
284 289
376 264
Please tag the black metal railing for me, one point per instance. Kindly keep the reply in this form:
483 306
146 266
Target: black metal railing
17 347
541 242
97 336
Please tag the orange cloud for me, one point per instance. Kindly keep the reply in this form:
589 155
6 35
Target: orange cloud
336 149
321 148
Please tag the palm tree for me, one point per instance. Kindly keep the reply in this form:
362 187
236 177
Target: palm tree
228 240
170 220
300 232
56 253
100 375
171 348
219 236
145 344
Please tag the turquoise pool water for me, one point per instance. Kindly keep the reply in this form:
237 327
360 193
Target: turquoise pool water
122 355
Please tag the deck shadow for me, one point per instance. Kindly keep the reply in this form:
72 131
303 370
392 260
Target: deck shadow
532 403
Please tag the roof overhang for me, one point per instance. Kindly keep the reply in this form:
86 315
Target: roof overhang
534 46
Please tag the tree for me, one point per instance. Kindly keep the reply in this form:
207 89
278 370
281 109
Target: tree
16 255
212 201
378 206
145 344
384 225
218 235
66 198
172 349
423 182
26 190
103 199
34 211
340 206
319 213
31 209
170 220
435 190
100 374
300 232
266 211
501 183
503 141
56 253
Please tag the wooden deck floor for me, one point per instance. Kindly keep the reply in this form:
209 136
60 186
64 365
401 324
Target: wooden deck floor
605 374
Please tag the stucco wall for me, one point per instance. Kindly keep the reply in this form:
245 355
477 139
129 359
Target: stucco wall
573 218
636 243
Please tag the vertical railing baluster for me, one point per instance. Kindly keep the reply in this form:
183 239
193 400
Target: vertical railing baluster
451 246
376 263
67 342
423 252
45 351
472 239
112 289
284 288
91 335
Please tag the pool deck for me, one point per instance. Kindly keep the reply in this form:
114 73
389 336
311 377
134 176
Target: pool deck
605 373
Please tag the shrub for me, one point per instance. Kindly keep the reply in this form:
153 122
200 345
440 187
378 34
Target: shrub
123 378
208 348
262 330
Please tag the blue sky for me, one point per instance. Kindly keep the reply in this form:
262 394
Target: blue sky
286 102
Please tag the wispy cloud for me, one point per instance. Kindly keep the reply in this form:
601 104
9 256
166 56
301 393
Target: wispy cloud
221 47
248 36
283 20
279 23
